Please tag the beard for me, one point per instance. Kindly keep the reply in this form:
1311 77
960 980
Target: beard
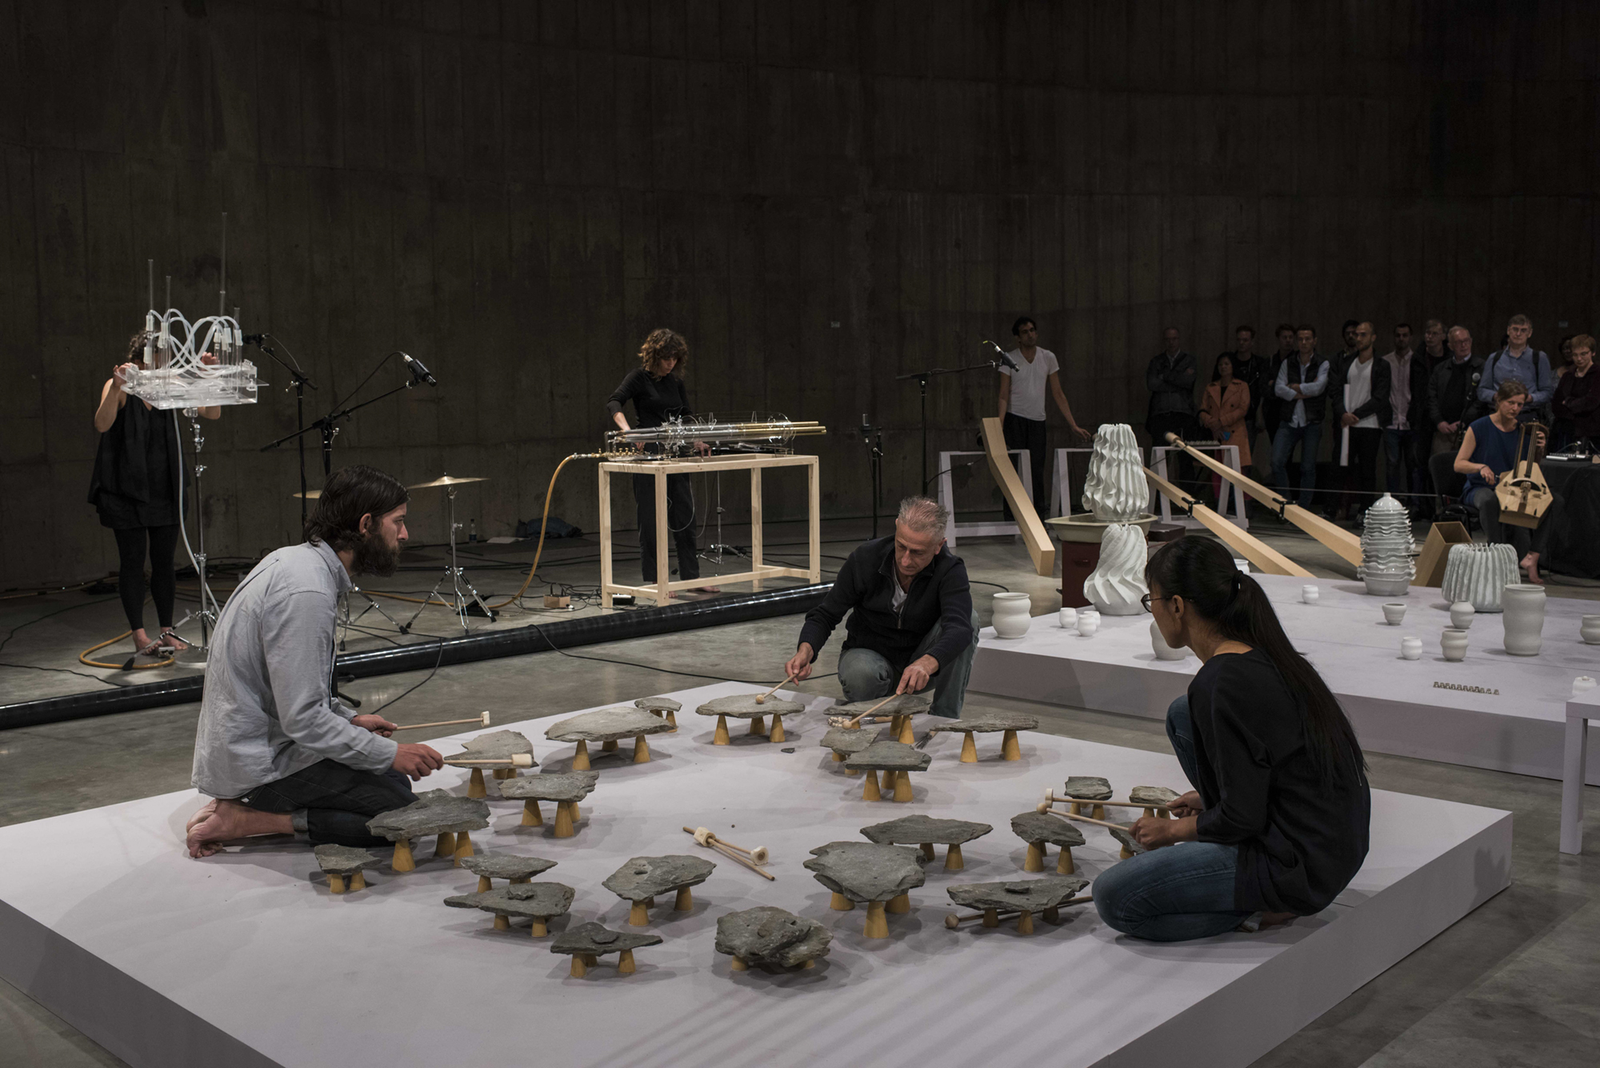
374 556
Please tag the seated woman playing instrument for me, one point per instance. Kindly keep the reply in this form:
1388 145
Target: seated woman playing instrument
1276 825
1488 452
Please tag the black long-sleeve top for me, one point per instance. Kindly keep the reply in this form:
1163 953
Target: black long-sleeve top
1301 839
865 589
655 400
1578 399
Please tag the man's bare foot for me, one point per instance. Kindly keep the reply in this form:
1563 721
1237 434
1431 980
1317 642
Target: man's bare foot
231 820
200 815
708 589
1530 563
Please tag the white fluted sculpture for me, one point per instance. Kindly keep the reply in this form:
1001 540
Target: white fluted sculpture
1386 548
1477 574
1116 490
1117 585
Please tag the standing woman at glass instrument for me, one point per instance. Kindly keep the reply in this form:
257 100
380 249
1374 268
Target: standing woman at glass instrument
135 488
658 394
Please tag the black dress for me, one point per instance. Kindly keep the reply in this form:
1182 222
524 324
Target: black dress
136 469
656 400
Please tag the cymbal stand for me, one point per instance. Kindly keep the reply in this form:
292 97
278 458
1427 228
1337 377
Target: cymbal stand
347 622
462 602
209 609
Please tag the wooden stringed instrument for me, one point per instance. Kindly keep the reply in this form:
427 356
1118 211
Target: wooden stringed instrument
1523 493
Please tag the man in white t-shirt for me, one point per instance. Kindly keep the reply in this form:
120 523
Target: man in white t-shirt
1022 402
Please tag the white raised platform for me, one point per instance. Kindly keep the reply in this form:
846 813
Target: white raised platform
1392 702
246 959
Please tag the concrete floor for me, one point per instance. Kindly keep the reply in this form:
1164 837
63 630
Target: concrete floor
1512 984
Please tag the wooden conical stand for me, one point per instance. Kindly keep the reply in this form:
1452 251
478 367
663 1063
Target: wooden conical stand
1009 749
969 749
463 847
952 858
580 761
403 860
776 734
641 750
475 787
445 846
1035 858
564 820
721 735
1065 866
531 816
869 788
877 923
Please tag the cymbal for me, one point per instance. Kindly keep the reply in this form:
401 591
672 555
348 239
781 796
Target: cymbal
447 480
309 495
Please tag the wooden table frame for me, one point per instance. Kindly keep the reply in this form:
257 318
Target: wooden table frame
755 464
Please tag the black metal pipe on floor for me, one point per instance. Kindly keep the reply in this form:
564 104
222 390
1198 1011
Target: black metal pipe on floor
534 638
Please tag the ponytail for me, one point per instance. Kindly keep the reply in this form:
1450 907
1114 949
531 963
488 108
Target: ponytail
1203 573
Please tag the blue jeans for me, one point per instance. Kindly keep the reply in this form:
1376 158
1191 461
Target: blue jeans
1308 437
865 674
337 801
1177 892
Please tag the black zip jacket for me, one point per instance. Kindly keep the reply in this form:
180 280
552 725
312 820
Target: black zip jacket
865 589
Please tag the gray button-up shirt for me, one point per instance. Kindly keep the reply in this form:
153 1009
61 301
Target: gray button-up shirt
269 709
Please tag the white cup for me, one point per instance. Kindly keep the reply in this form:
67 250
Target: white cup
1411 648
1309 594
1582 684
1068 618
1088 623
1393 613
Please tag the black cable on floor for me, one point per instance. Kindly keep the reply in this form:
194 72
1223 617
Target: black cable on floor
64 671
436 662
47 615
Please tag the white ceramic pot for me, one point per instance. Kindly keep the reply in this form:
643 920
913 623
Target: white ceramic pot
1309 594
1116 490
1523 604
1393 614
1011 616
1582 684
1453 643
1117 586
1477 573
1088 623
1589 629
1164 651
1067 618
1411 648
1386 546
1461 614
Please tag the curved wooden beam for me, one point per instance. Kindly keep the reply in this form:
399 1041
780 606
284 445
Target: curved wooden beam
1242 542
1034 536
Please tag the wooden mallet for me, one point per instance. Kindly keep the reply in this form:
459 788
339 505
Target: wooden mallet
1044 806
853 724
483 719
747 857
515 760
762 699
1051 798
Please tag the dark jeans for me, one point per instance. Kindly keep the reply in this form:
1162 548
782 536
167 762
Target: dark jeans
680 524
1180 891
1308 437
1180 469
130 573
1487 505
1028 434
1361 473
865 674
338 800
1400 463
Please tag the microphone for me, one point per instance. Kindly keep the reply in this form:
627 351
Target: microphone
422 373
1004 356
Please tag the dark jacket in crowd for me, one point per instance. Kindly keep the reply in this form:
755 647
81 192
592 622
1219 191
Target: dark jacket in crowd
1377 404
1317 406
1417 404
1449 403
1170 380
1272 407
865 589
1577 403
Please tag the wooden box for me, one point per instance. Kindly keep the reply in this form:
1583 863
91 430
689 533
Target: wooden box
1436 550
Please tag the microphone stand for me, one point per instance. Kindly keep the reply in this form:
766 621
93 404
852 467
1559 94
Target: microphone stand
872 437
300 384
328 425
921 378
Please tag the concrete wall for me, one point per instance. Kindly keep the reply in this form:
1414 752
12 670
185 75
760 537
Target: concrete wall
820 194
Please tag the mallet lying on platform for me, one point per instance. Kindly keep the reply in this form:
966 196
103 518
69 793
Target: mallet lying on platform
750 858
954 920
761 699
483 719
1044 806
1050 797
515 760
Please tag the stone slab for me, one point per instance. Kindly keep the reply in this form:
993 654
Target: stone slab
771 937
596 940
1087 788
1043 827
845 740
920 828
344 860
1125 839
1025 895
549 786
434 812
658 704
1153 795
743 706
885 755
903 704
606 725
866 871
497 744
541 900
506 865
987 723
644 877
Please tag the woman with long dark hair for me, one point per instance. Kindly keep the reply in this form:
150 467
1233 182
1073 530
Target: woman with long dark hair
135 487
1277 822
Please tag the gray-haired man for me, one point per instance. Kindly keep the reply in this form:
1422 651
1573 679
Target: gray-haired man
910 615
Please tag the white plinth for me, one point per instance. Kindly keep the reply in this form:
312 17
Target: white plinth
246 959
1392 702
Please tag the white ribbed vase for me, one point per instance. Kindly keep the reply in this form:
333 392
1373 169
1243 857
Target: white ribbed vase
1386 548
1117 585
1116 490
1477 573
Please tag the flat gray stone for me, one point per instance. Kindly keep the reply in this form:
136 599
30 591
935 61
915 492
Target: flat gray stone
771 937
743 706
843 740
550 786
506 865
343 860
606 725
1088 788
885 755
1026 895
1043 827
594 940
658 704
497 745
918 829
535 900
1152 795
987 723
902 704
1126 840
645 877
866 871
434 812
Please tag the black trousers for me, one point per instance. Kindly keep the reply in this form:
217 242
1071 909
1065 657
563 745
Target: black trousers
680 524
1360 481
338 800
163 574
1029 434
1180 469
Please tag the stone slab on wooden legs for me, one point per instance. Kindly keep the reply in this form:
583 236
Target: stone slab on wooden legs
927 832
641 879
1007 723
744 706
435 812
1023 896
868 873
771 938
540 902
607 725
587 942
342 863
1039 829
